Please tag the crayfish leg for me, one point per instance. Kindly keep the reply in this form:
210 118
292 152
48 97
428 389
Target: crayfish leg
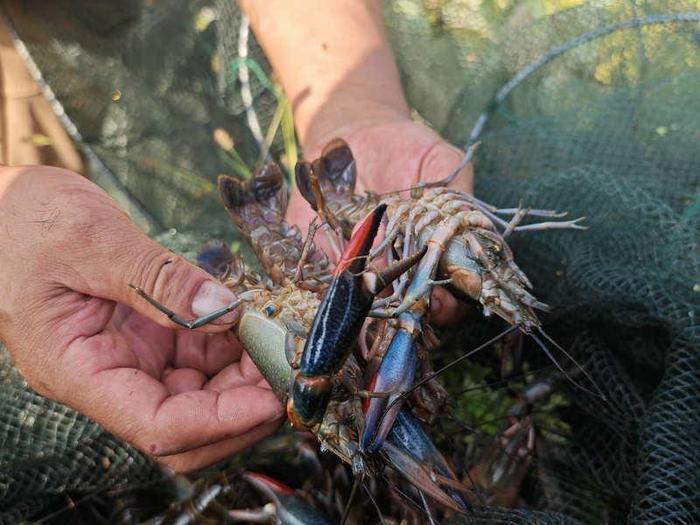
197 322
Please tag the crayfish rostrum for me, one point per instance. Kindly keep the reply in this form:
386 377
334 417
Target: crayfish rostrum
342 358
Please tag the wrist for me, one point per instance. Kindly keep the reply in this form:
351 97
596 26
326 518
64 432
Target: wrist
366 91
333 61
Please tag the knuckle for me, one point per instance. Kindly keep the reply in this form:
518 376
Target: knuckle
74 212
440 155
440 159
177 463
98 225
149 442
161 274
41 387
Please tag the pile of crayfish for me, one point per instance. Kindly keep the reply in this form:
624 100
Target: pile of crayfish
346 345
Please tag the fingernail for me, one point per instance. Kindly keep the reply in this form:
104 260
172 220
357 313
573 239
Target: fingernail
211 297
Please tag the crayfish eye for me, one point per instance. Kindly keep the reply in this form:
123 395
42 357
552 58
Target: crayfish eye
270 310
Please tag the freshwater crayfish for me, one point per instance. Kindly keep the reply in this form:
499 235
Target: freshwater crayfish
343 360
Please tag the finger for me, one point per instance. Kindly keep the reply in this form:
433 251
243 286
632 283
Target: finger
157 346
186 291
242 373
209 353
181 380
249 369
141 410
150 342
445 309
102 253
198 418
206 455
440 161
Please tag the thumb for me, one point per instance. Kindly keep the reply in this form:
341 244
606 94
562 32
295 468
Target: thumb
193 294
125 265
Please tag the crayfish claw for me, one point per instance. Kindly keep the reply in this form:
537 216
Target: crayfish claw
335 327
410 451
394 376
354 257
287 506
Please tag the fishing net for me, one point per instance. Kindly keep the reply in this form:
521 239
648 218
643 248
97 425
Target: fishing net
590 107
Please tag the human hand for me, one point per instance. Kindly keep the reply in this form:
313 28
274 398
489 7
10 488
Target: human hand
395 153
81 336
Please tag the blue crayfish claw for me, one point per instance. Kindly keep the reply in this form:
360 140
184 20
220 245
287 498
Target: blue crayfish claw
410 451
394 376
338 321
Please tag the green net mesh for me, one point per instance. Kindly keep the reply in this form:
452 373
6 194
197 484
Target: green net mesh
608 128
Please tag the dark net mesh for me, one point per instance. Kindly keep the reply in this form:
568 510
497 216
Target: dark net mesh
608 128
50 454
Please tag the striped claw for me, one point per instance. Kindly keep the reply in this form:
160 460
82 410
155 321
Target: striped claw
338 321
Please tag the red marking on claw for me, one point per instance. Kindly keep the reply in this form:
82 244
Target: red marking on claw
275 485
360 242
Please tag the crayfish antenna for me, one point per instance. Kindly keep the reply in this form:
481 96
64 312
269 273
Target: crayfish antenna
348 505
551 357
374 503
426 507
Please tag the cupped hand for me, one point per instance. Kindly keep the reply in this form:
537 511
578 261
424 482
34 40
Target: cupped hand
81 336
393 153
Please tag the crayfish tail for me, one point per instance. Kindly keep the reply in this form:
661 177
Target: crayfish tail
335 170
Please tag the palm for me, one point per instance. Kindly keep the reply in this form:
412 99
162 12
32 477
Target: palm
182 360
192 389
390 156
